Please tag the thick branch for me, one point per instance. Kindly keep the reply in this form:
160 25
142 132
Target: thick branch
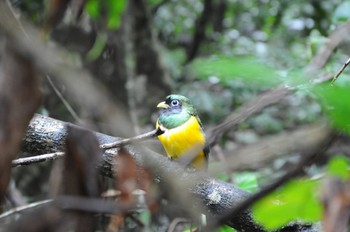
46 135
323 54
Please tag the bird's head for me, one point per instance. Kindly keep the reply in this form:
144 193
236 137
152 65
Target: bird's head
175 110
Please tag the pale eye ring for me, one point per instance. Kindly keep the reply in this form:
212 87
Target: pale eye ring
174 103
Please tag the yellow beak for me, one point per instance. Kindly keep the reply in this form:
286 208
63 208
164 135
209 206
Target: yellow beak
162 105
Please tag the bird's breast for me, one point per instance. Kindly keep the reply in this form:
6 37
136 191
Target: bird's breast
183 139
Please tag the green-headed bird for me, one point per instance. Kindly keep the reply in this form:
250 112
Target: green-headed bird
182 135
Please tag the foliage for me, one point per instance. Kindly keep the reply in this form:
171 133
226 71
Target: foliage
248 70
339 167
334 103
247 181
226 229
114 11
98 47
296 200
299 199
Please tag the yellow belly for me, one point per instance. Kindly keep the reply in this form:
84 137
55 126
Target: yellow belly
185 143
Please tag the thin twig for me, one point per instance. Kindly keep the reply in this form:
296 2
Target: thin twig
122 142
37 159
64 101
23 208
57 155
340 71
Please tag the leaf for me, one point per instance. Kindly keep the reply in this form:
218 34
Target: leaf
223 176
126 176
226 229
243 68
335 103
338 166
92 7
98 47
115 8
294 201
247 181
130 176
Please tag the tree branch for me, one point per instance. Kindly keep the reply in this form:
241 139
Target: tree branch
341 70
122 142
46 135
57 155
333 40
23 208
36 159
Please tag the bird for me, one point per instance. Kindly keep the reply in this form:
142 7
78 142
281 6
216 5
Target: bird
180 131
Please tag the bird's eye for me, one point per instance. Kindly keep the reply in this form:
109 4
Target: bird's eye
174 103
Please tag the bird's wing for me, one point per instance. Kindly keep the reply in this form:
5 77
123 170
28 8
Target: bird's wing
199 121
206 149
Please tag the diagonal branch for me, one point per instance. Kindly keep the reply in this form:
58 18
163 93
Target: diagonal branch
297 170
248 109
122 142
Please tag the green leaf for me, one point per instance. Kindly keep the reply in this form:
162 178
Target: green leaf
92 7
228 68
335 103
145 217
223 176
226 229
98 47
115 9
338 166
247 181
296 200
